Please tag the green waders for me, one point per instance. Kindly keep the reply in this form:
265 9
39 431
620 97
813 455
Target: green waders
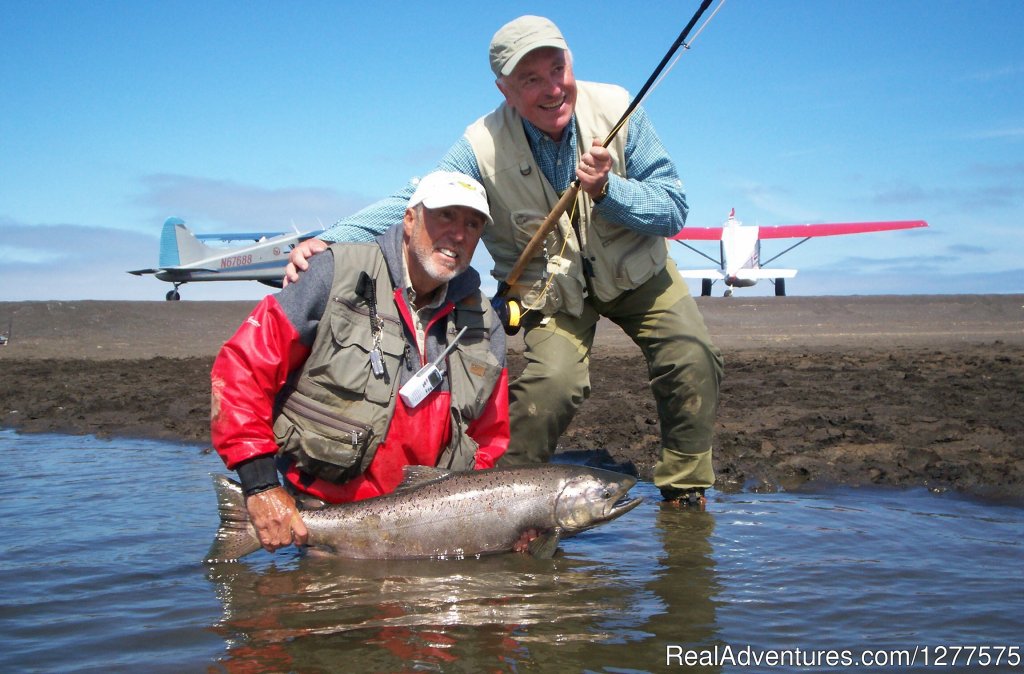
685 370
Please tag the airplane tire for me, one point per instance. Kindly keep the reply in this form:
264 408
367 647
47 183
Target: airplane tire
173 296
705 287
780 287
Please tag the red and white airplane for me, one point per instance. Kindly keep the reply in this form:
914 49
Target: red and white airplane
740 249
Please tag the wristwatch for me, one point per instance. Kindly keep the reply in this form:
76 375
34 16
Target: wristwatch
603 193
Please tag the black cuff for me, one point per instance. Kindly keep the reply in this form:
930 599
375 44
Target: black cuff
258 474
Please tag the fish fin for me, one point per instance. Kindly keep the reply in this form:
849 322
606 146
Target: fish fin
236 536
417 476
546 545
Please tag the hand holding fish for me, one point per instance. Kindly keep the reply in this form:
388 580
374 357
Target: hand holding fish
438 514
276 519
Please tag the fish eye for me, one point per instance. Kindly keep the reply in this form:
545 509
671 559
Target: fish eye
607 493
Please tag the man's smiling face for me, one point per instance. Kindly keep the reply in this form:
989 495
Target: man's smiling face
542 89
440 243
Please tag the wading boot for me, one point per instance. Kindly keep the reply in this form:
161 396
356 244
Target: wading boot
685 498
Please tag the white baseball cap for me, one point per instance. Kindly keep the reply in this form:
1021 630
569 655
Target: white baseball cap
519 37
450 188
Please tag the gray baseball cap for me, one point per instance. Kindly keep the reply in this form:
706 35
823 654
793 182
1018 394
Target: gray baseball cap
519 37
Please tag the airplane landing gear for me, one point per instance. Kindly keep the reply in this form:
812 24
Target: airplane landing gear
705 287
173 295
780 287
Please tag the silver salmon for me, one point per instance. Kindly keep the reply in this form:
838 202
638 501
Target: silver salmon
440 514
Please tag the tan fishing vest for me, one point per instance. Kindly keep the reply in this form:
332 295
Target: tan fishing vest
520 197
334 412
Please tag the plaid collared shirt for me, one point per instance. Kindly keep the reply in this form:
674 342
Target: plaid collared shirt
650 201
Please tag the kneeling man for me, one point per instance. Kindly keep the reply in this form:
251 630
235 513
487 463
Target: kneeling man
320 381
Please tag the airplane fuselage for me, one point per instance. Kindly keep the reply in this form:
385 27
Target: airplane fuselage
185 259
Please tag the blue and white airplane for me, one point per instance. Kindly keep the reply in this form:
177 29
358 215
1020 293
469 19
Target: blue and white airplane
184 258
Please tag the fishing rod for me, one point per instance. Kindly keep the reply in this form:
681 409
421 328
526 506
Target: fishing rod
510 310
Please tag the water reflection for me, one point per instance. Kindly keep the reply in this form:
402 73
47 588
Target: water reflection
104 541
503 613
685 580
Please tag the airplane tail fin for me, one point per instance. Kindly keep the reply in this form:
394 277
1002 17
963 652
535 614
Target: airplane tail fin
179 246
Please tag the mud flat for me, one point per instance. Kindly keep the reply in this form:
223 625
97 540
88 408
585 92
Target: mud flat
885 390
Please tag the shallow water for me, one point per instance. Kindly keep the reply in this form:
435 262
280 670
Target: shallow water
101 571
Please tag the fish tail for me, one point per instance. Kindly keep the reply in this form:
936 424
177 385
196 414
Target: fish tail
236 536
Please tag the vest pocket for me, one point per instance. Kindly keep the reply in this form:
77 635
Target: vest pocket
472 381
321 441
343 362
641 262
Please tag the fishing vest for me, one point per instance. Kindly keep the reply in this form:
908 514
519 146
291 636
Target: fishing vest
520 198
334 412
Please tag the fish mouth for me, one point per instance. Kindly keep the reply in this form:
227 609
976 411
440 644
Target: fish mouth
623 505
623 502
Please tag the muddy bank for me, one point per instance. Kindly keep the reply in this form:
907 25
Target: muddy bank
806 399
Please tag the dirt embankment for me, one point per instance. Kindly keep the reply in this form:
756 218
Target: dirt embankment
902 391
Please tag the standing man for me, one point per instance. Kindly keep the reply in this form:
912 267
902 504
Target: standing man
319 381
607 257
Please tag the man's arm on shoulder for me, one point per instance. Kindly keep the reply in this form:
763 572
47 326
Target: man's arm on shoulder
370 222
651 200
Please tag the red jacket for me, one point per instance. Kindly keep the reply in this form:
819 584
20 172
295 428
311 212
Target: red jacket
253 366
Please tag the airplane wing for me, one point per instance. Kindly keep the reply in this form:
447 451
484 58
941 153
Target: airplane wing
237 236
253 236
802 231
698 234
714 274
835 228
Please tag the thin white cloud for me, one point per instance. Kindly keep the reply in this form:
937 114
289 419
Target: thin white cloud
75 262
968 249
1011 170
993 74
961 198
774 200
234 206
906 264
1005 133
31 255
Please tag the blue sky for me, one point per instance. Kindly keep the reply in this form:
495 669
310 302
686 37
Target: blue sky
265 115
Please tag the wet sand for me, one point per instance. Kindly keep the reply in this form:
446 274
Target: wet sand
880 390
